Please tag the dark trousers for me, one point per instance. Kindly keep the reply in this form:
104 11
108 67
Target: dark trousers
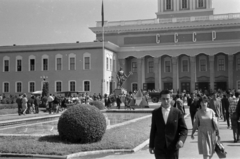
20 110
192 114
167 154
227 117
50 107
36 109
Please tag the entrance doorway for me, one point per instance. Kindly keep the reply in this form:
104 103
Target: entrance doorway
150 86
203 86
185 86
167 85
220 85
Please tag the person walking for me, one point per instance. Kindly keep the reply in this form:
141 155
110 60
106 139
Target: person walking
24 103
194 106
216 105
233 116
225 109
168 130
19 103
37 103
206 123
50 103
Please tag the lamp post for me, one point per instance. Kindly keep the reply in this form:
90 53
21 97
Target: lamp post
111 84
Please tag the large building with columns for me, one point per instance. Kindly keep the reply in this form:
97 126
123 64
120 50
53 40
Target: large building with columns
186 47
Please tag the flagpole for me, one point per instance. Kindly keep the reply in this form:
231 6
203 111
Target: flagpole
103 82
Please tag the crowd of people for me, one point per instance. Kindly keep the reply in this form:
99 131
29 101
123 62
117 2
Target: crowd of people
206 110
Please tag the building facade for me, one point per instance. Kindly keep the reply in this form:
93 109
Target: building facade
186 47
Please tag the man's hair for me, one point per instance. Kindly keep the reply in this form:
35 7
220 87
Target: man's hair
164 92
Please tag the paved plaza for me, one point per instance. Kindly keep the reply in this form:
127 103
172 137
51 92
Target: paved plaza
189 151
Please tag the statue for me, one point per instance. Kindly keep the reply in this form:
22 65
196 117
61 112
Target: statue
121 77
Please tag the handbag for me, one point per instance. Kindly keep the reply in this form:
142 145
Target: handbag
219 149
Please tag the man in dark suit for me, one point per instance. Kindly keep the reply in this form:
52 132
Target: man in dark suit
168 129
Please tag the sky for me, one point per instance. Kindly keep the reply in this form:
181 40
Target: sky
27 22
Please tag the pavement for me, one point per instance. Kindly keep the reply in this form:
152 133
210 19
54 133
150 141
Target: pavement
189 151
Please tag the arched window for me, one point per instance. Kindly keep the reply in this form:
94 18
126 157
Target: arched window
184 4
238 62
221 63
6 64
72 85
72 61
18 87
202 63
32 62
6 87
86 61
167 64
58 62
58 86
31 86
45 63
238 85
201 3
87 86
134 87
18 63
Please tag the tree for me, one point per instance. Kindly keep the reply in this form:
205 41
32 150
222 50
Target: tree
45 90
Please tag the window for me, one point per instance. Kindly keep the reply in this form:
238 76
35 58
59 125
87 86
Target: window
86 86
18 87
114 65
167 66
107 63
58 86
59 63
168 4
72 63
200 3
107 86
6 65
134 87
110 64
150 66
184 4
238 85
238 63
72 85
221 64
86 61
32 64
134 66
203 65
45 64
19 65
6 86
185 66
31 86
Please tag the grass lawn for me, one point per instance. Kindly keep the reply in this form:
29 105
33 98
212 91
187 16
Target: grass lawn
123 137
8 111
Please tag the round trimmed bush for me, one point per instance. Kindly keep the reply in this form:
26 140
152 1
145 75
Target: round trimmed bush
82 124
97 104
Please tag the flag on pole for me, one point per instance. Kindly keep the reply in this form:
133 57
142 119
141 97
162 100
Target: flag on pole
102 14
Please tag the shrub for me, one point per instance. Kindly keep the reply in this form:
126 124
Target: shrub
8 106
82 124
98 104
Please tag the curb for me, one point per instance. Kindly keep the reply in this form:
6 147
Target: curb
32 155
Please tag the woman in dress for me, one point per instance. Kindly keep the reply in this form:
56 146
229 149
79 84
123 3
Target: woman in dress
206 123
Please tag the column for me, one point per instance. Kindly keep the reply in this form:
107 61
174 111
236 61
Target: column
139 71
156 72
211 70
230 71
161 6
160 72
175 74
143 70
193 5
176 5
193 72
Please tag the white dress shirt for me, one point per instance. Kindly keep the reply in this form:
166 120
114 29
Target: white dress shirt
165 113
